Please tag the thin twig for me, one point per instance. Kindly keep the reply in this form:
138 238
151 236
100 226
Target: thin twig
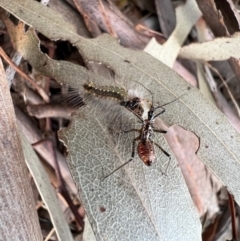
25 76
50 234
225 84
233 217
109 27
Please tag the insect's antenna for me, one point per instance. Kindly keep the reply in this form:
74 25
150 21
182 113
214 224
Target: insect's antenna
169 102
117 168
146 89
165 105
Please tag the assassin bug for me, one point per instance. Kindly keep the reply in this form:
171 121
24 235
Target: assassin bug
145 147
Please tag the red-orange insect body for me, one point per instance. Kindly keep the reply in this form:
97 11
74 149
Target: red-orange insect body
145 147
146 152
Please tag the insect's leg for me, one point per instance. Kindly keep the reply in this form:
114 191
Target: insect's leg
124 132
166 153
160 131
127 131
161 106
133 154
160 113
133 146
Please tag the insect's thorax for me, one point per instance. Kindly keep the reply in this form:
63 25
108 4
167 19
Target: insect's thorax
147 131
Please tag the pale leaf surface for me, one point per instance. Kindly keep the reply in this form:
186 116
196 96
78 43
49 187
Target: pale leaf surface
137 201
88 234
218 49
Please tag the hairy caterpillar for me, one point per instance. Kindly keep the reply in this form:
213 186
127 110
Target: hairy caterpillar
138 105
110 93
106 91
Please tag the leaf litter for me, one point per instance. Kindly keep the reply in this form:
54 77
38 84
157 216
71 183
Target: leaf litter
216 135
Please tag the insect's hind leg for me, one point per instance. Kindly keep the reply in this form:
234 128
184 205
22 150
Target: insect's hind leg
166 153
133 154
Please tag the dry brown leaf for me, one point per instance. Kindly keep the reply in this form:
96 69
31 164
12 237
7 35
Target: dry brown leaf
206 77
221 15
34 135
19 219
202 185
103 16
166 16
215 17
70 15
46 191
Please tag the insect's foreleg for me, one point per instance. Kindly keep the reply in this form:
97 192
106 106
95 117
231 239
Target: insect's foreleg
160 113
124 132
160 131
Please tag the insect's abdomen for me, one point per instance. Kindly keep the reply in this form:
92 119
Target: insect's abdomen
146 152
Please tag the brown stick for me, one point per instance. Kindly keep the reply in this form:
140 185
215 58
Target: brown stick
41 92
233 217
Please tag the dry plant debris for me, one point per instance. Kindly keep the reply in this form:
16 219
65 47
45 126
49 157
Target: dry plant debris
70 139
